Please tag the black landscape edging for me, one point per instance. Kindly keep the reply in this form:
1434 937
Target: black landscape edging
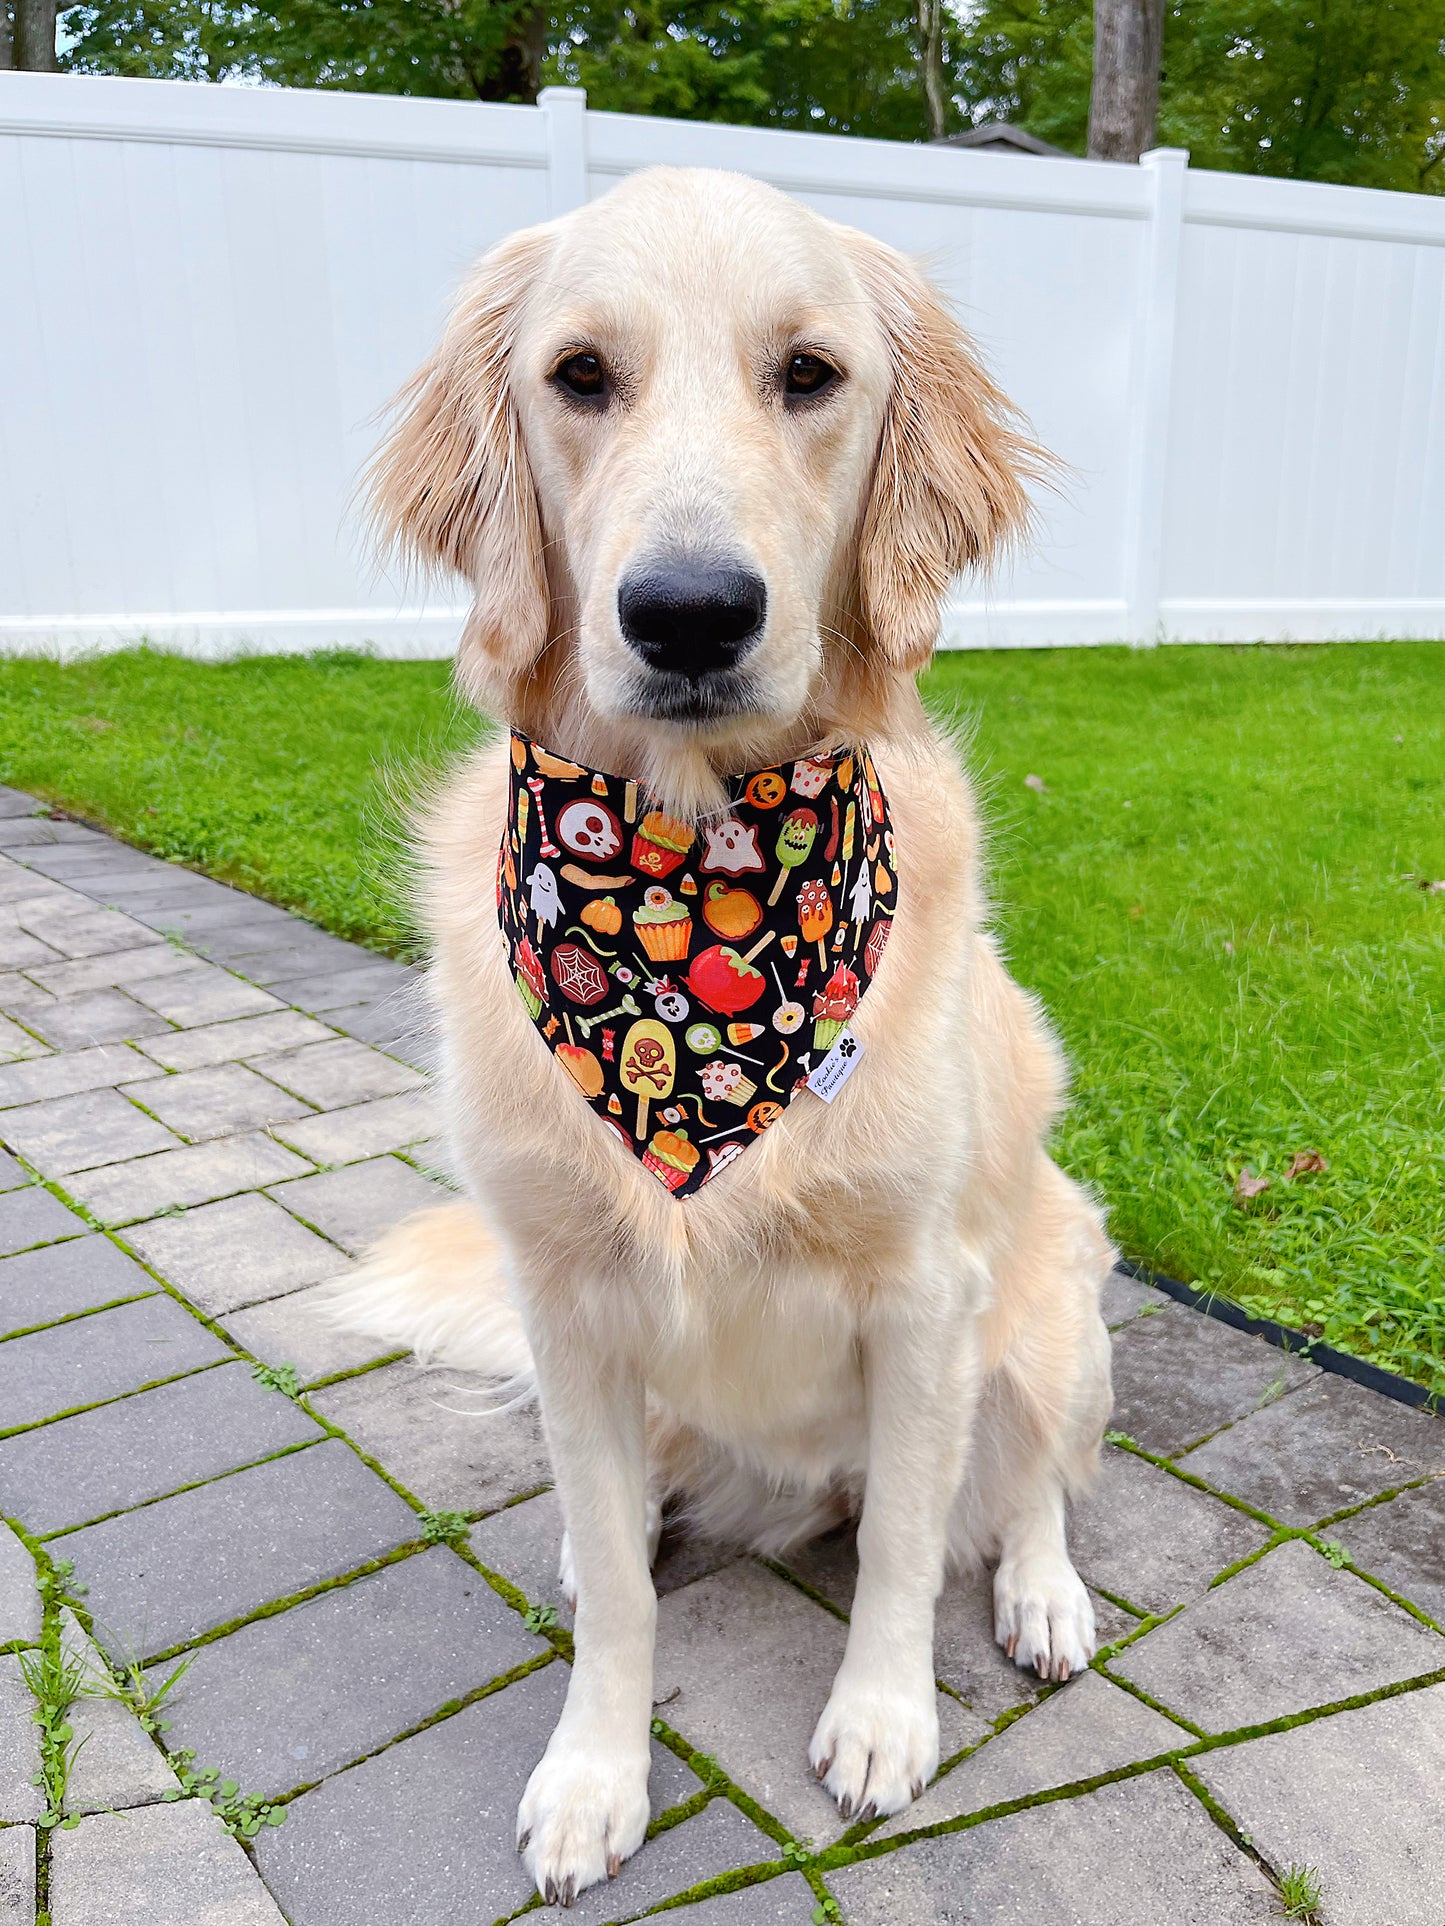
1387 1383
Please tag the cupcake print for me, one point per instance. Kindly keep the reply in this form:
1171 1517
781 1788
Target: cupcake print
663 925
660 843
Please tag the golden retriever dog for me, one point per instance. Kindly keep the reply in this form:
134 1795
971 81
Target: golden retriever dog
889 1305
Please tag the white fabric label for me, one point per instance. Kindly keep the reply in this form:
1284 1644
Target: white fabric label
836 1068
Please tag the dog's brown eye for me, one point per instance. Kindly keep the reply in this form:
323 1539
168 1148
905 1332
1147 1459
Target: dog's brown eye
808 374
582 375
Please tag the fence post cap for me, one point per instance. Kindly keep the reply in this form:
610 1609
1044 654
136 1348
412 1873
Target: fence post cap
547 95
1165 157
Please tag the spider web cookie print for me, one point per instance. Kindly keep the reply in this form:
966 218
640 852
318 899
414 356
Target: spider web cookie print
689 978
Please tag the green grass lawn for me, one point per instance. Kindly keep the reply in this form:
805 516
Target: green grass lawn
1216 892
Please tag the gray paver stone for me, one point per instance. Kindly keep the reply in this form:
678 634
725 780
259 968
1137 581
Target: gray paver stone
77 1133
293 1330
242 917
965 1655
91 1359
339 1072
1142 1852
19 951
1360 1797
18 802
393 1024
170 1865
427 1829
1124 1297
19 1598
117 1764
363 1130
787 1901
194 1174
22 832
1088 1728
226 1097
1180 1375
235 1252
19 1745
524 1542
1403 1543
165 1573
135 1449
291 1698
17 1044
1285 1634
65 1076
12 1175
425 1428
32 1216
269 957
203 995
17 1876
120 967
355 1205
230 1042
1331 1445
83 930
1149 1538
331 989
744 1666
102 1016
60 1279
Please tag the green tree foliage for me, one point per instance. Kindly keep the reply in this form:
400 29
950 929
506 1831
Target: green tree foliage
1332 90
1325 90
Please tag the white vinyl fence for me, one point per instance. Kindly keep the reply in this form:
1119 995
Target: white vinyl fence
206 293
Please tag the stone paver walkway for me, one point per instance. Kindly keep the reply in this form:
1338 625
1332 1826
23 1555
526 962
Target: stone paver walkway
210 1108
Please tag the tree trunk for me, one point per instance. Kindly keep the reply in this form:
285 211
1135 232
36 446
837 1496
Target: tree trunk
1124 107
518 73
930 35
35 36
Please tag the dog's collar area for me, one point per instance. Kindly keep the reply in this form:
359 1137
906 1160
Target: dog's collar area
690 978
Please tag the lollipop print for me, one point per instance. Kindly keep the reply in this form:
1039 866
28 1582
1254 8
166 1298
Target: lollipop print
795 840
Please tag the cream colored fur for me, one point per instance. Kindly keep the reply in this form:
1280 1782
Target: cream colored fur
888 1306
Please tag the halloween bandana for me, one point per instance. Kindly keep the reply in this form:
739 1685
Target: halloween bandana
691 979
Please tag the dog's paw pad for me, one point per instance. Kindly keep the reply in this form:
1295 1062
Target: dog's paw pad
1043 1618
876 1747
582 1814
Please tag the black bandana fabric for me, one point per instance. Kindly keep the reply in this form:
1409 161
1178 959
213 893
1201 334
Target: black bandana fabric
691 979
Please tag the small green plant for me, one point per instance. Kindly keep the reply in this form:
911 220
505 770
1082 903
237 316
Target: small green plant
1300 1890
443 1527
826 1911
1334 1553
797 1854
242 1813
55 1679
278 1377
541 1618
128 1685
54 1583
1120 1438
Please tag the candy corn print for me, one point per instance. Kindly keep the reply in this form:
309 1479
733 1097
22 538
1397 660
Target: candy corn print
689 978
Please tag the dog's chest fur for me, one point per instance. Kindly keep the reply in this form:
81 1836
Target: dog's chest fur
745 1300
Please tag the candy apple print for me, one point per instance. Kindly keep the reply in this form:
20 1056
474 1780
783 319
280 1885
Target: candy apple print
725 981
590 829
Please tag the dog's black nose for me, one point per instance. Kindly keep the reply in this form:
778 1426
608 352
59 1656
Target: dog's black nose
689 617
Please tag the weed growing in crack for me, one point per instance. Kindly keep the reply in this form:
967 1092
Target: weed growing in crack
1334 1553
242 1813
53 1582
278 1377
541 1618
126 1683
1121 1438
443 1527
1300 1891
55 1680
795 1853
825 1912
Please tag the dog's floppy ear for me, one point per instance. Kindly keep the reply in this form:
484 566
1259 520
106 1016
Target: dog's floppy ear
450 486
948 485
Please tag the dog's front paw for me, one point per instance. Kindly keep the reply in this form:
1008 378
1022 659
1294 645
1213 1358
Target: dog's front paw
1043 1617
584 1811
876 1746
